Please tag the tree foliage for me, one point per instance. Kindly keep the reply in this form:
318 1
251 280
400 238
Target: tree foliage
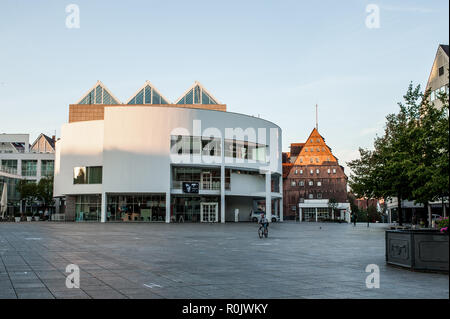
411 159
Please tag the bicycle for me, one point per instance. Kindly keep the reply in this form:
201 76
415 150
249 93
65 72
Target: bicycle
263 231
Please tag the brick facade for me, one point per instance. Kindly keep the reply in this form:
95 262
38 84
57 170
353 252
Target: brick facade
93 112
311 171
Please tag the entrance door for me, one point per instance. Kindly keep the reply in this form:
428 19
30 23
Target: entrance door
209 212
206 180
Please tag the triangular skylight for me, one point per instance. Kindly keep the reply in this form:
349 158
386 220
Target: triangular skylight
148 94
197 94
99 94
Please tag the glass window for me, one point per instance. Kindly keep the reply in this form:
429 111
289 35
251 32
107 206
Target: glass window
136 207
317 171
310 196
9 166
311 171
88 207
47 168
293 183
319 183
296 172
311 183
301 172
87 175
334 171
94 175
29 167
301 183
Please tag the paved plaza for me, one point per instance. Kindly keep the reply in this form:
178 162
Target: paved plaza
306 260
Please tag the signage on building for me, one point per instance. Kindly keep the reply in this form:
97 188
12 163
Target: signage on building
189 187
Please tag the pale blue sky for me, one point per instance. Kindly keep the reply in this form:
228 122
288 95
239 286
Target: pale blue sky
276 59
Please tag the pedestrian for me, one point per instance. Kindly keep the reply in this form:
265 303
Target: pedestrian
354 219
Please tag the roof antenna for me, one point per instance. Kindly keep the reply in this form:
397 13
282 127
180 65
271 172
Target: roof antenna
317 118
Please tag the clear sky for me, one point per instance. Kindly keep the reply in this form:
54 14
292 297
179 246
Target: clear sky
275 59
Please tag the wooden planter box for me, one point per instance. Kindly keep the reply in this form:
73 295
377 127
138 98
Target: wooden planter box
424 250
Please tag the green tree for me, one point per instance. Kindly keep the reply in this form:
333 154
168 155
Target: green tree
28 192
410 160
332 205
44 191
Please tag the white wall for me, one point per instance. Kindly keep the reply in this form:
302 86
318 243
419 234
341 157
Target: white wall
81 145
133 145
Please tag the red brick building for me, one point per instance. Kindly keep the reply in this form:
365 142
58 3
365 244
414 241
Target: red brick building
312 175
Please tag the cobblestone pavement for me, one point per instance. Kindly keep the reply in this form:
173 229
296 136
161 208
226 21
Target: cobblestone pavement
306 260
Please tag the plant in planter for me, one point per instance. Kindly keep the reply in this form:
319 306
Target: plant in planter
442 224
29 216
17 217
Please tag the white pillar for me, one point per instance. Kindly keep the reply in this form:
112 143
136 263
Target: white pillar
168 207
281 199
19 167
38 170
103 209
316 216
222 192
268 196
300 214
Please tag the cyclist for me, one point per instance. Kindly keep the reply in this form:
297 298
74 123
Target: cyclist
264 222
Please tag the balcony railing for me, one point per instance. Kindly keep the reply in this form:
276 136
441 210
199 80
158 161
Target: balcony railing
8 170
203 186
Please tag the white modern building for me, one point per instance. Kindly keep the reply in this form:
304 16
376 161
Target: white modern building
188 161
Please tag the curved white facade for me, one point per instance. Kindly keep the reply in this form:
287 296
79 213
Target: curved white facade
134 145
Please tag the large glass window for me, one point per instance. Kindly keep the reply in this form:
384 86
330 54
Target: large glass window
9 166
87 175
208 178
136 207
29 167
245 150
207 146
47 168
187 208
88 207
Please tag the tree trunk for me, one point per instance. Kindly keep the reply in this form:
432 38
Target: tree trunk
399 211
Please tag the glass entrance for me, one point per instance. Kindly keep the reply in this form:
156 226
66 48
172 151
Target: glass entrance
209 212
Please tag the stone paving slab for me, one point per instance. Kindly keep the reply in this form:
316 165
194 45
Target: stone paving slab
152 261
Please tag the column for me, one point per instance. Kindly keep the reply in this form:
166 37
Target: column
276 202
316 216
222 192
390 216
281 199
168 207
103 208
269 196
38 170
19 167
300 215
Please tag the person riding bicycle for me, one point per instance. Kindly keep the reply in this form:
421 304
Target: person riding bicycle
263 221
